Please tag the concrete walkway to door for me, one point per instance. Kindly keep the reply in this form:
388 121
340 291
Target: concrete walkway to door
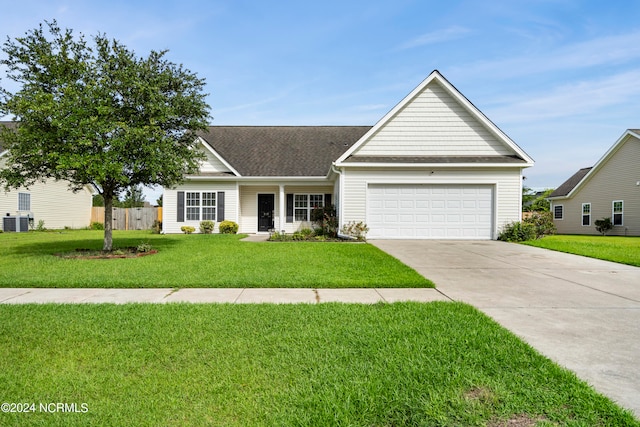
580 312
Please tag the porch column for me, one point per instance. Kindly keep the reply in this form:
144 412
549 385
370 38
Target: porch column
281 208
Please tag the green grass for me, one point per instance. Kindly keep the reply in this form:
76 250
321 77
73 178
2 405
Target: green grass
436 364
182 261
624 250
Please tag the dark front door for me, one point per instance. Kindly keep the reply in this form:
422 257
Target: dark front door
266 203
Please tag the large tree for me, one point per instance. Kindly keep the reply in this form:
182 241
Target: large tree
97 114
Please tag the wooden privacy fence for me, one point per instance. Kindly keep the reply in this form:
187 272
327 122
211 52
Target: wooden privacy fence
129 218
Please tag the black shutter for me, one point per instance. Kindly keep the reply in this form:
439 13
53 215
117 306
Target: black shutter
180 206
327 199
289 207
220 206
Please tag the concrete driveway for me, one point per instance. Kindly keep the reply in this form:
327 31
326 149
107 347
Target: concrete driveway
580 312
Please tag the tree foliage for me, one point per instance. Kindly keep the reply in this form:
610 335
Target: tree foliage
96 114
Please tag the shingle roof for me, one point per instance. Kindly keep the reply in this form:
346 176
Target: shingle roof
571 183
282 150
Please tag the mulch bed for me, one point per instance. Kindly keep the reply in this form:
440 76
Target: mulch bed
119 253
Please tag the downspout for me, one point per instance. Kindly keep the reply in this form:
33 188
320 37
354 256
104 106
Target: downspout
335 169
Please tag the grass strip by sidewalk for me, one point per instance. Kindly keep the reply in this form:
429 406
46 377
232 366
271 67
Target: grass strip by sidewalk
207 261
623 250
275 365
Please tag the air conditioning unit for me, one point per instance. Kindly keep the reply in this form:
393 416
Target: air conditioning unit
15 223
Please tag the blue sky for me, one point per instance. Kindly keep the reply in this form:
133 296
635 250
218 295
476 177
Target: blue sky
561 78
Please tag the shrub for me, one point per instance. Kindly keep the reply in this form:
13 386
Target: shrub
326 220
280 237
206 227
40 226
228 227
517 232
187 229
143 247
156 228
543 223
95 225
603 225
358 230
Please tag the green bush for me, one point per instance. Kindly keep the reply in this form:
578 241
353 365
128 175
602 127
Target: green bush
603 225
543 223
206 227
228 227
358 230
326 219
143 247
96 226
156 228
517 232
187 229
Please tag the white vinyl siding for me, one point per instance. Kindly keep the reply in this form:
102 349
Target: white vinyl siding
434 123
51 202
170 203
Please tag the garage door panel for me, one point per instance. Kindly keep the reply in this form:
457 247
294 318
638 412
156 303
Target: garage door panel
406 211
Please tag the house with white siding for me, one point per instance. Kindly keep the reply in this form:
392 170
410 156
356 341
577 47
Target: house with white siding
434 167
609 189
50 201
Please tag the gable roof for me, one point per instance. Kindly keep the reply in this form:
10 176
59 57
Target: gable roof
578 179
517 155
571 183
282 150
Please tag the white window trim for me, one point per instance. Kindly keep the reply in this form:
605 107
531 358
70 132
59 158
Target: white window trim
613 212
308 208
200 206
562 212
28 201
583 215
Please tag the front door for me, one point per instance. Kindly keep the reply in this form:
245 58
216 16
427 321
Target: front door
266 204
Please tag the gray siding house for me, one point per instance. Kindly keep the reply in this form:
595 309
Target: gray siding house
611 188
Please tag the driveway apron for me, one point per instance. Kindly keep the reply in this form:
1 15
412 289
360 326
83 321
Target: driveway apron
580 312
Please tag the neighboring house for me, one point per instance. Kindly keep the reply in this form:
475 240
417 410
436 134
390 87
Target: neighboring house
51 202
610 189
434 167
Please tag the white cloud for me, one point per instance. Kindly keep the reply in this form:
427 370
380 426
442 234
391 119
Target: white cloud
609 50
439 36
577 99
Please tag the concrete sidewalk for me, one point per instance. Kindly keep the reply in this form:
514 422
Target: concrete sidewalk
583 313
226 295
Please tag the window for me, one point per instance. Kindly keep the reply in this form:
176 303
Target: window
200 206
24 201
586 214
558 211
617 212
303 204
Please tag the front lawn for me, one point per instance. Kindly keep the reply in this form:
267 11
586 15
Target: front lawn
187 261
397 364
624 250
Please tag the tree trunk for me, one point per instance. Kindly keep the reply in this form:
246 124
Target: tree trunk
108 222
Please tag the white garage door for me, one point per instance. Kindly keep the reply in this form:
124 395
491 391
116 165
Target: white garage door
430 211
